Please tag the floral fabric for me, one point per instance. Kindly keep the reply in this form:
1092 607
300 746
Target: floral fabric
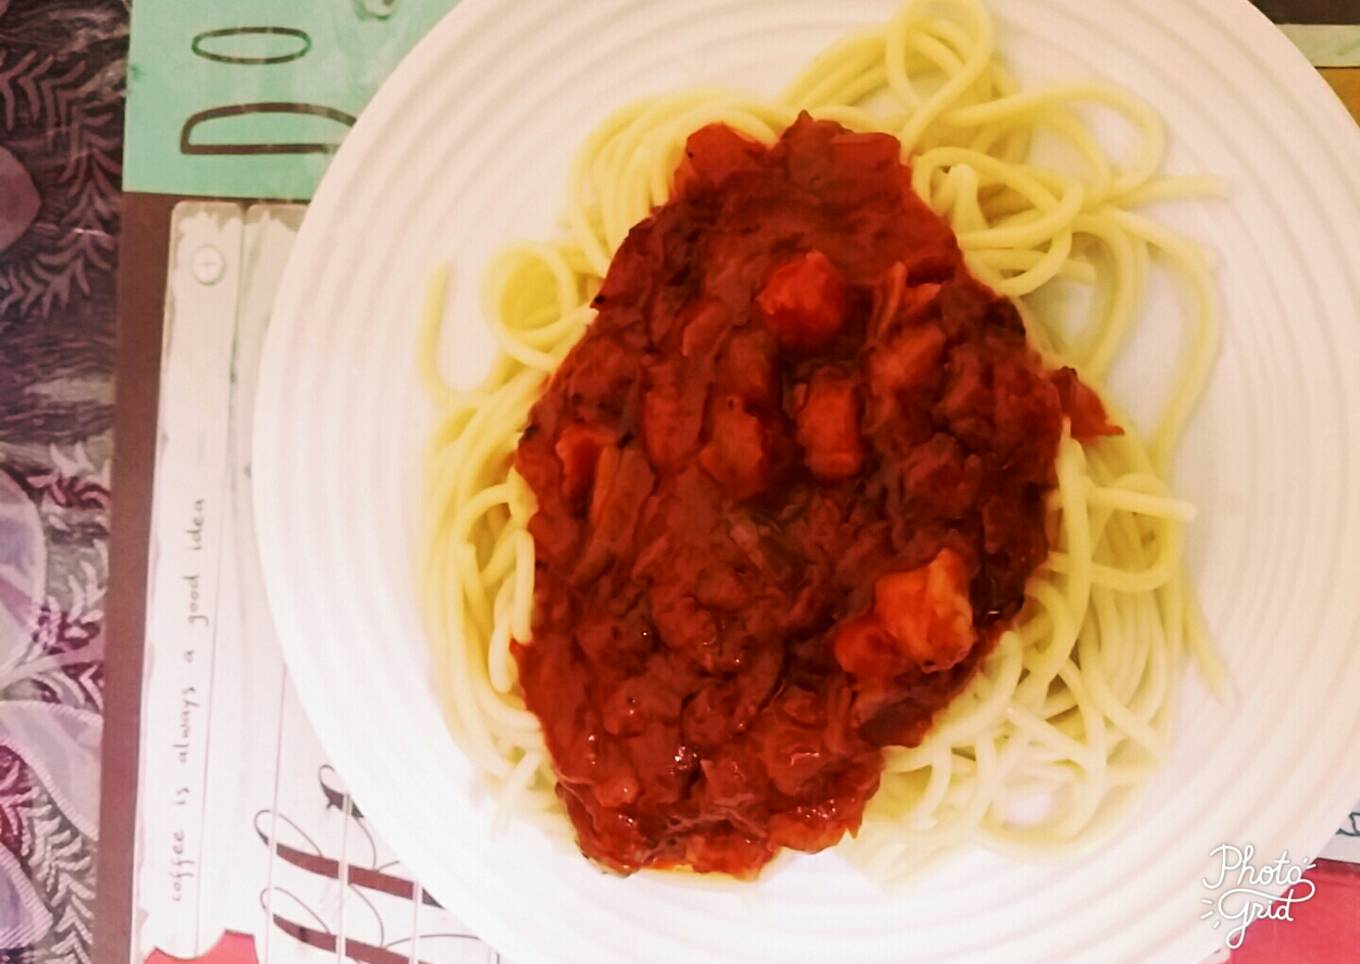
61 67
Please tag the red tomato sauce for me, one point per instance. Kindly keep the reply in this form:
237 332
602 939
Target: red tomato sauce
790 485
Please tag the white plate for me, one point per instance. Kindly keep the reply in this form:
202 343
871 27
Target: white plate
466 147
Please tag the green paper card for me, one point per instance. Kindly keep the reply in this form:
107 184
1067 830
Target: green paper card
251 98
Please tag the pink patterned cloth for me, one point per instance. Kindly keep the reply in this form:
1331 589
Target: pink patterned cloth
61 82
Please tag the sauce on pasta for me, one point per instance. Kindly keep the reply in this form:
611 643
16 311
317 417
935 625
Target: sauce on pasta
790 485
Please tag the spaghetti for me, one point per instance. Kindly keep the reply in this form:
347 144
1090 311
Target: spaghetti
1071 712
